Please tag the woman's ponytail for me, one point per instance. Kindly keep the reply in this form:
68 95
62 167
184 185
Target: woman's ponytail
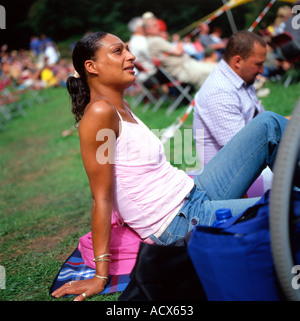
78 88
80 95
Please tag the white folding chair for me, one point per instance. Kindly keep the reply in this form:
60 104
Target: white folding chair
182 89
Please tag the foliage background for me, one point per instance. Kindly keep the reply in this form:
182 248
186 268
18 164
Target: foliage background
71 18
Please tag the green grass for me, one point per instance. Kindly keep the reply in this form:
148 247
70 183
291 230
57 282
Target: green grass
45 200
281 100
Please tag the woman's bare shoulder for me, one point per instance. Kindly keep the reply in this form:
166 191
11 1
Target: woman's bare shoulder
100 108
99 114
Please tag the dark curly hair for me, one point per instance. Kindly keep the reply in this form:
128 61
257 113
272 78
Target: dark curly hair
78 88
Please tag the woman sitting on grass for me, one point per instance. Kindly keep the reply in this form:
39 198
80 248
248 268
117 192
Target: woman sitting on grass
128 171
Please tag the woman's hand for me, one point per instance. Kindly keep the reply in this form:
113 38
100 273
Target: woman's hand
84 288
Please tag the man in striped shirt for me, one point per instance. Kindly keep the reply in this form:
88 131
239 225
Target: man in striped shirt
226 102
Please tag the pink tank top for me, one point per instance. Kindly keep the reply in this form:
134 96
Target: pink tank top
148 189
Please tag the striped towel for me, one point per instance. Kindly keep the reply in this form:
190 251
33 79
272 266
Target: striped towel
74 269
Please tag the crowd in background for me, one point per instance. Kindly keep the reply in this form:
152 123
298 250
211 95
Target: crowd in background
42 66
39 67
205 44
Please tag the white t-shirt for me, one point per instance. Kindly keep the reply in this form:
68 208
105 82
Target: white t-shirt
51 54
138 45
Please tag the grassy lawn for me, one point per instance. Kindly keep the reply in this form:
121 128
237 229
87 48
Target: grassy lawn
45 198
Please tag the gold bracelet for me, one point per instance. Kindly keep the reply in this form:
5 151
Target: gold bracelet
101 257
102 277
101 260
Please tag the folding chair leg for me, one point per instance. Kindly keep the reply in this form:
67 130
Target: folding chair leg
138 100
145 94
184 94
5 112
183 91
13 109
159 102
146 106
288 81
20 110
37 97
152 100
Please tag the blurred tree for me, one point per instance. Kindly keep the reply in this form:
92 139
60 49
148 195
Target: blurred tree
18 31
64 19
59 19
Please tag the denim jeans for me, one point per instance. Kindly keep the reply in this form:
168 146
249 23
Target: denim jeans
227 177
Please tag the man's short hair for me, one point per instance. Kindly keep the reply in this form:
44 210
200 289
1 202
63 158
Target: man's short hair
242 43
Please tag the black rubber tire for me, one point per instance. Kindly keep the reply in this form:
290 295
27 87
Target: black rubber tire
285 163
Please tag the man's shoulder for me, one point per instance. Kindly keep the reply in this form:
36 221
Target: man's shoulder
216 88
218 79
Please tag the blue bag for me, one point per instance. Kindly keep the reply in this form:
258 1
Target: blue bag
234 261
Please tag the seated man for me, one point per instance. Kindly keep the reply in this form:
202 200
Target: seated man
148 73
227 101
173 59
212 40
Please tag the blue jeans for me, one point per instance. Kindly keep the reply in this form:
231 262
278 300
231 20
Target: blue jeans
227 177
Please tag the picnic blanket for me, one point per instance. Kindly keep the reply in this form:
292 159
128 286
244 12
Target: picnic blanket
123 247
74 269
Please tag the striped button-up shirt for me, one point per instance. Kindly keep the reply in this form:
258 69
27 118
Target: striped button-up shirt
223 105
